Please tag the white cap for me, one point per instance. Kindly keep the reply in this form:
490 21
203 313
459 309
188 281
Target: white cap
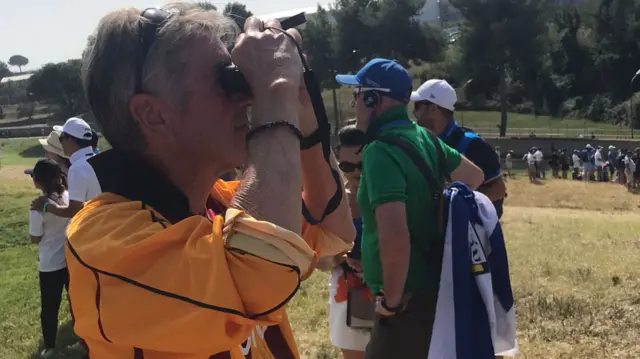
77 128
438 92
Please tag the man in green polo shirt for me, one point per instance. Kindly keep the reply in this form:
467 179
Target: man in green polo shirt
401 244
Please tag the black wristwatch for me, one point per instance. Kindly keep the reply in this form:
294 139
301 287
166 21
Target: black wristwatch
393 310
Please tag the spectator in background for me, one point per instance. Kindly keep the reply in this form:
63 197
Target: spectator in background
598 162
434 109
53 150
629 169
532 169
620 166
345 269
577 164
541 171
398 214
564 163
77 140
635 157
588 163
508 162
611 159
555 163
48 232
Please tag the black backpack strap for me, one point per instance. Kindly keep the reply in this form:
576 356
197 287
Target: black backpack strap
417 159
429 254
442 161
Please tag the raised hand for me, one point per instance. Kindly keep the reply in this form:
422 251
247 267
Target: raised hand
269 60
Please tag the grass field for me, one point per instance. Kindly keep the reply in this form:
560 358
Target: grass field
573 250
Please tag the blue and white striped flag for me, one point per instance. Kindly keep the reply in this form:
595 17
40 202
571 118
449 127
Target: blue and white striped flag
475 316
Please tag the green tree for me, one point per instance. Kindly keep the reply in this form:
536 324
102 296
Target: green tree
4 70
503 39
616 26
319 37
18 61
238 12
400 35
60 85
319 45
354 28
384 28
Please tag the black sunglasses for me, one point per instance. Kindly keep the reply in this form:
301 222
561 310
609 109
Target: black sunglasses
349 167
233 82
228 76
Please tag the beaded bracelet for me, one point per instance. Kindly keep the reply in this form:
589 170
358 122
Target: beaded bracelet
266 126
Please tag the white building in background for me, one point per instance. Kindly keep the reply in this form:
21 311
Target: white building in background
16 78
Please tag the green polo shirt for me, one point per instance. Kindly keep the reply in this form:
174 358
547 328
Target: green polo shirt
388 175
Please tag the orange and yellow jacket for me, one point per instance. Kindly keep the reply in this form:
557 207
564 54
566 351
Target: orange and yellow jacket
150 280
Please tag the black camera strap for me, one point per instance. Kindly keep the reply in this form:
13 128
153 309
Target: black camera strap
322 135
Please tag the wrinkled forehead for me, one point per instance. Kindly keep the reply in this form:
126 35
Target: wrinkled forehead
204 56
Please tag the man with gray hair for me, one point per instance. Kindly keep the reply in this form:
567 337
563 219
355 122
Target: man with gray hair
169 261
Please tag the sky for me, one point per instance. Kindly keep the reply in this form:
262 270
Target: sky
56 30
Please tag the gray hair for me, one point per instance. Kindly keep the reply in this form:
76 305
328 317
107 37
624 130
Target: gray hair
110 71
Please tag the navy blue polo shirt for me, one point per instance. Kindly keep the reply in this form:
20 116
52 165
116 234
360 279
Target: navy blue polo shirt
477 150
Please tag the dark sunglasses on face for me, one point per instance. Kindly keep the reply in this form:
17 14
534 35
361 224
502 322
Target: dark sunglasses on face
349 167
230 79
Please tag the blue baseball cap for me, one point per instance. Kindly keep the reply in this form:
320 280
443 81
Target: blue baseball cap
386 76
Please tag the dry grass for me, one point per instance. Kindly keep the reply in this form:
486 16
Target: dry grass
572 248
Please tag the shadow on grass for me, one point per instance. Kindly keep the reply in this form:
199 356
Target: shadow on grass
35 151
66 338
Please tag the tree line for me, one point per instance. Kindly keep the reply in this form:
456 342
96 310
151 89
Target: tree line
564 58
555 57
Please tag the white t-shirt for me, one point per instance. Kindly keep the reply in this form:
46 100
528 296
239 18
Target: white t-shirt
576 160
83 182
629 164
530 158
53 231
598 158
538 156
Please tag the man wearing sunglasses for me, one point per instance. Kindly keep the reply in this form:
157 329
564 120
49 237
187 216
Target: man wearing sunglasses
398 214
169 261
434 104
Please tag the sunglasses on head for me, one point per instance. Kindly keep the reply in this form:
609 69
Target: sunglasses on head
349 167
228 76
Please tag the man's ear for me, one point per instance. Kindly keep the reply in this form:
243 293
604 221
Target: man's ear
153 116
147 111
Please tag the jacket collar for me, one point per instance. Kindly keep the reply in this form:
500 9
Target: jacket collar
85 153
134 178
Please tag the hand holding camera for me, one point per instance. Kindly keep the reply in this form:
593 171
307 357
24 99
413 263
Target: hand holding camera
270 62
